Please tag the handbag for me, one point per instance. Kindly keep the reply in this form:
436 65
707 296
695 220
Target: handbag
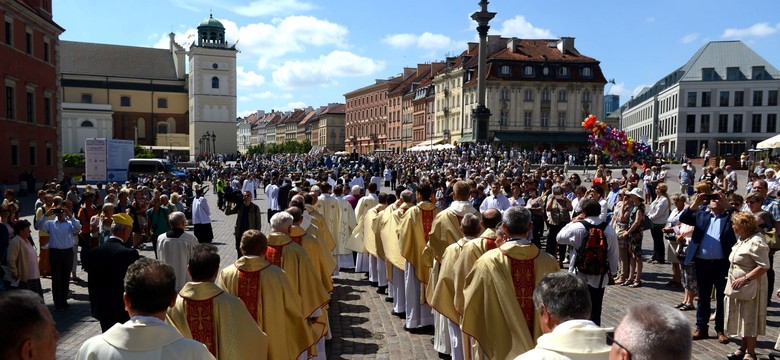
746 292
770 238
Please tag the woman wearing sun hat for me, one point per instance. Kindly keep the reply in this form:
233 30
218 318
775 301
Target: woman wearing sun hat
634 236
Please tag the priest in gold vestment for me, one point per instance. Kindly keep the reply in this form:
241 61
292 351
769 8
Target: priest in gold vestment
206 313
282 251
355 242
444 291
498 311
270 298
387 232
445 230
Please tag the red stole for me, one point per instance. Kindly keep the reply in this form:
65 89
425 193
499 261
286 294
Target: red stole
274 254
200 319
249 290
297 239
427 222
523 280
490 244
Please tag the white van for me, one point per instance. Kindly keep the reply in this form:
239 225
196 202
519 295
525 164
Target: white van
136 167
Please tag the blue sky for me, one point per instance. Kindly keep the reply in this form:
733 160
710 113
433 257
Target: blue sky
298 53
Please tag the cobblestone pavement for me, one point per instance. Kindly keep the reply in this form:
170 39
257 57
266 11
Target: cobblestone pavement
360 318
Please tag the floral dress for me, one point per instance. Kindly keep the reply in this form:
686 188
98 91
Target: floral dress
635 238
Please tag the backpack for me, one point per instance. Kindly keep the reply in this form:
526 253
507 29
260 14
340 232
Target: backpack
592 254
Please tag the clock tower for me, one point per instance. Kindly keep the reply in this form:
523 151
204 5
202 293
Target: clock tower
212 91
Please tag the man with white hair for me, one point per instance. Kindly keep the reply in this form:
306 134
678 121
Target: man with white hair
771 182
283 252
651 331
176 247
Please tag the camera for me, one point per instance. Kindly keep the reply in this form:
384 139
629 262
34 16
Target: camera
58 211
709 197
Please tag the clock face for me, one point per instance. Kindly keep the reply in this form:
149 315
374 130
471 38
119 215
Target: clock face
545 71
215 66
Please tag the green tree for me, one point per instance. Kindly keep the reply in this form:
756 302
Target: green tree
73 160
141 153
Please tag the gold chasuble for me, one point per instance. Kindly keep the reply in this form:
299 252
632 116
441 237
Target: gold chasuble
445 231
470 253
413 234
207 314
318 220
443 294
359 234
316 253
498 310
272 302
292 258
366 225
328 259
389 236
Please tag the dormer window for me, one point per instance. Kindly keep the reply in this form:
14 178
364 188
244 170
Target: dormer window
528 70
586 72
505 70
563 71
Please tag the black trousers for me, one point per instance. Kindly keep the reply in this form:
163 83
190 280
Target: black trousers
710 273
238 246
659 247
271 213
596 298
552 246
61 261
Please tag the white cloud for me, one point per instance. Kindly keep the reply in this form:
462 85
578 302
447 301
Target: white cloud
292 106
521 28
264 95
687 39
249 78
426 40
324 70
755 30
272 7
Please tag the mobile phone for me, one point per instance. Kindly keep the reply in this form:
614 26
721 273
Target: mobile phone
709 197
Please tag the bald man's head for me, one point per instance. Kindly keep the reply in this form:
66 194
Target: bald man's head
491 218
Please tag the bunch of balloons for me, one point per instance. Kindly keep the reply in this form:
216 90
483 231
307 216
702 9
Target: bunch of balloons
614 142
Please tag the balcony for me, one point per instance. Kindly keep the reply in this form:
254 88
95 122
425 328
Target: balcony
446 109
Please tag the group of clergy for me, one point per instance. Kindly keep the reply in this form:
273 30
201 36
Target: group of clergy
465 276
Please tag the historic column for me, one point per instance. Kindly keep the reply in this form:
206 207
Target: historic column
481 114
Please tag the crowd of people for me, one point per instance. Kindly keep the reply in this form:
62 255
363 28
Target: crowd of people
467 244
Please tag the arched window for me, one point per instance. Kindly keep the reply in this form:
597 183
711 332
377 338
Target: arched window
171 125
215 82
140 128
87 123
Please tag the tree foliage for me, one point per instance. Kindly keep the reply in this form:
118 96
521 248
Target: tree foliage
73 160
141 153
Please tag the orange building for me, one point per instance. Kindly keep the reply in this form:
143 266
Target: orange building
29 116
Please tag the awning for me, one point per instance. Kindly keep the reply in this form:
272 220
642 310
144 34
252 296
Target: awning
771 143
546 137
466 138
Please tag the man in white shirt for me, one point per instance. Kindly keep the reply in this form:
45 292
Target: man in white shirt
358 180
272 191
563 304
249 185
176 247
575 234
146 335
496 200
388 175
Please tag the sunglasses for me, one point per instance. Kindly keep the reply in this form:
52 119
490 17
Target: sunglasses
611 340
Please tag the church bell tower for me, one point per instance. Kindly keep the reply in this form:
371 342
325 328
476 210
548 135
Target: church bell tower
212 91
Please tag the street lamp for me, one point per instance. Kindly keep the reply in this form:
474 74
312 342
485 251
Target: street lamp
200 144
206 137
213 141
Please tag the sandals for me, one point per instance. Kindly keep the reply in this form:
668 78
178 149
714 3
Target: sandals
636 284
738 354
687 307
680 305
627 282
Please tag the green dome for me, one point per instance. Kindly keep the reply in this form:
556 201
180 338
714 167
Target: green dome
211 22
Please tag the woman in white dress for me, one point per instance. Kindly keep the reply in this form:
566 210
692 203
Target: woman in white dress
747 285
